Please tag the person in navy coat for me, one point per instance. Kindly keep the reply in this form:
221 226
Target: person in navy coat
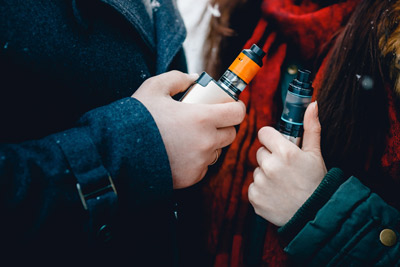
92 142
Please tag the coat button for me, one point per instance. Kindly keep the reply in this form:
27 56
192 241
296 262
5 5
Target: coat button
388 237
104 233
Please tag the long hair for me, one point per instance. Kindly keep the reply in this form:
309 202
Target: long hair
352 99
229 32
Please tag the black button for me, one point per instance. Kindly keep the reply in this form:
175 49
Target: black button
104 233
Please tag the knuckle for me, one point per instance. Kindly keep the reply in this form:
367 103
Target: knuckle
259 153
317 128
174 73
257 178
270 168
288 155
201 118
152 82
231 134
252 193
264 131
205 144
257 211
148 81
266 166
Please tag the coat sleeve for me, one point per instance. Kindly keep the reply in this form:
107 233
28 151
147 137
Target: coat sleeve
74 179
354 227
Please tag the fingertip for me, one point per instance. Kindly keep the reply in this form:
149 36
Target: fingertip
174 81
315 110
193 76
260 131
243 106
312 129
264 131
238 108
311 118
240 101
228 114
313 107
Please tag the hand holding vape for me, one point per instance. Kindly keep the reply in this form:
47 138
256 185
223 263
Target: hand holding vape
297 99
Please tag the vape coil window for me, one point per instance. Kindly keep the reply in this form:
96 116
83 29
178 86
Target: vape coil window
298 97
242 70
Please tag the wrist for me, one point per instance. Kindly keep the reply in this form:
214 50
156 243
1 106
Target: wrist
328 186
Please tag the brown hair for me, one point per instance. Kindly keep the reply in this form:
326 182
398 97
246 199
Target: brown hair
229 32
352 98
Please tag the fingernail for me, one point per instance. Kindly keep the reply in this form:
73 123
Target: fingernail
316 109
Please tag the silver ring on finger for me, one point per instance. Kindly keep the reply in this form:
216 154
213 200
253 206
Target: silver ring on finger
216 158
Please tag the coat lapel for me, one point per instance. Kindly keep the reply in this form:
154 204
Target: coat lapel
135 12
170 32
167 34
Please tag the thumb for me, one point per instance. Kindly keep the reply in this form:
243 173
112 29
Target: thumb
312 129
174 82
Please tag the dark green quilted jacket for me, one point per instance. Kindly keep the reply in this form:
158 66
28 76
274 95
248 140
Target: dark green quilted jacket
343 224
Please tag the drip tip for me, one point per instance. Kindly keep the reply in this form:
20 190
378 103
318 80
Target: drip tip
255 53
258 51
301 85
303 76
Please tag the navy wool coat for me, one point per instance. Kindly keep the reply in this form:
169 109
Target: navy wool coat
68 69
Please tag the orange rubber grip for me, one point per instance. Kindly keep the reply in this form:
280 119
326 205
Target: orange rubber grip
244 67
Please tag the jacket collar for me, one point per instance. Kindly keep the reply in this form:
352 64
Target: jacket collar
170 33
135 12
165 36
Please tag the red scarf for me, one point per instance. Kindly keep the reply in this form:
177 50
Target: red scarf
309 26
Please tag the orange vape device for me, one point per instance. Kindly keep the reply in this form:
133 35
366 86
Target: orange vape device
228 88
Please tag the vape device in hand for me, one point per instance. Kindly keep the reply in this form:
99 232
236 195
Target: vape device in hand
228 88
297 99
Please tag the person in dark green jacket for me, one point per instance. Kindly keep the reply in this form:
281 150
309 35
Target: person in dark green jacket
92 142
349 215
